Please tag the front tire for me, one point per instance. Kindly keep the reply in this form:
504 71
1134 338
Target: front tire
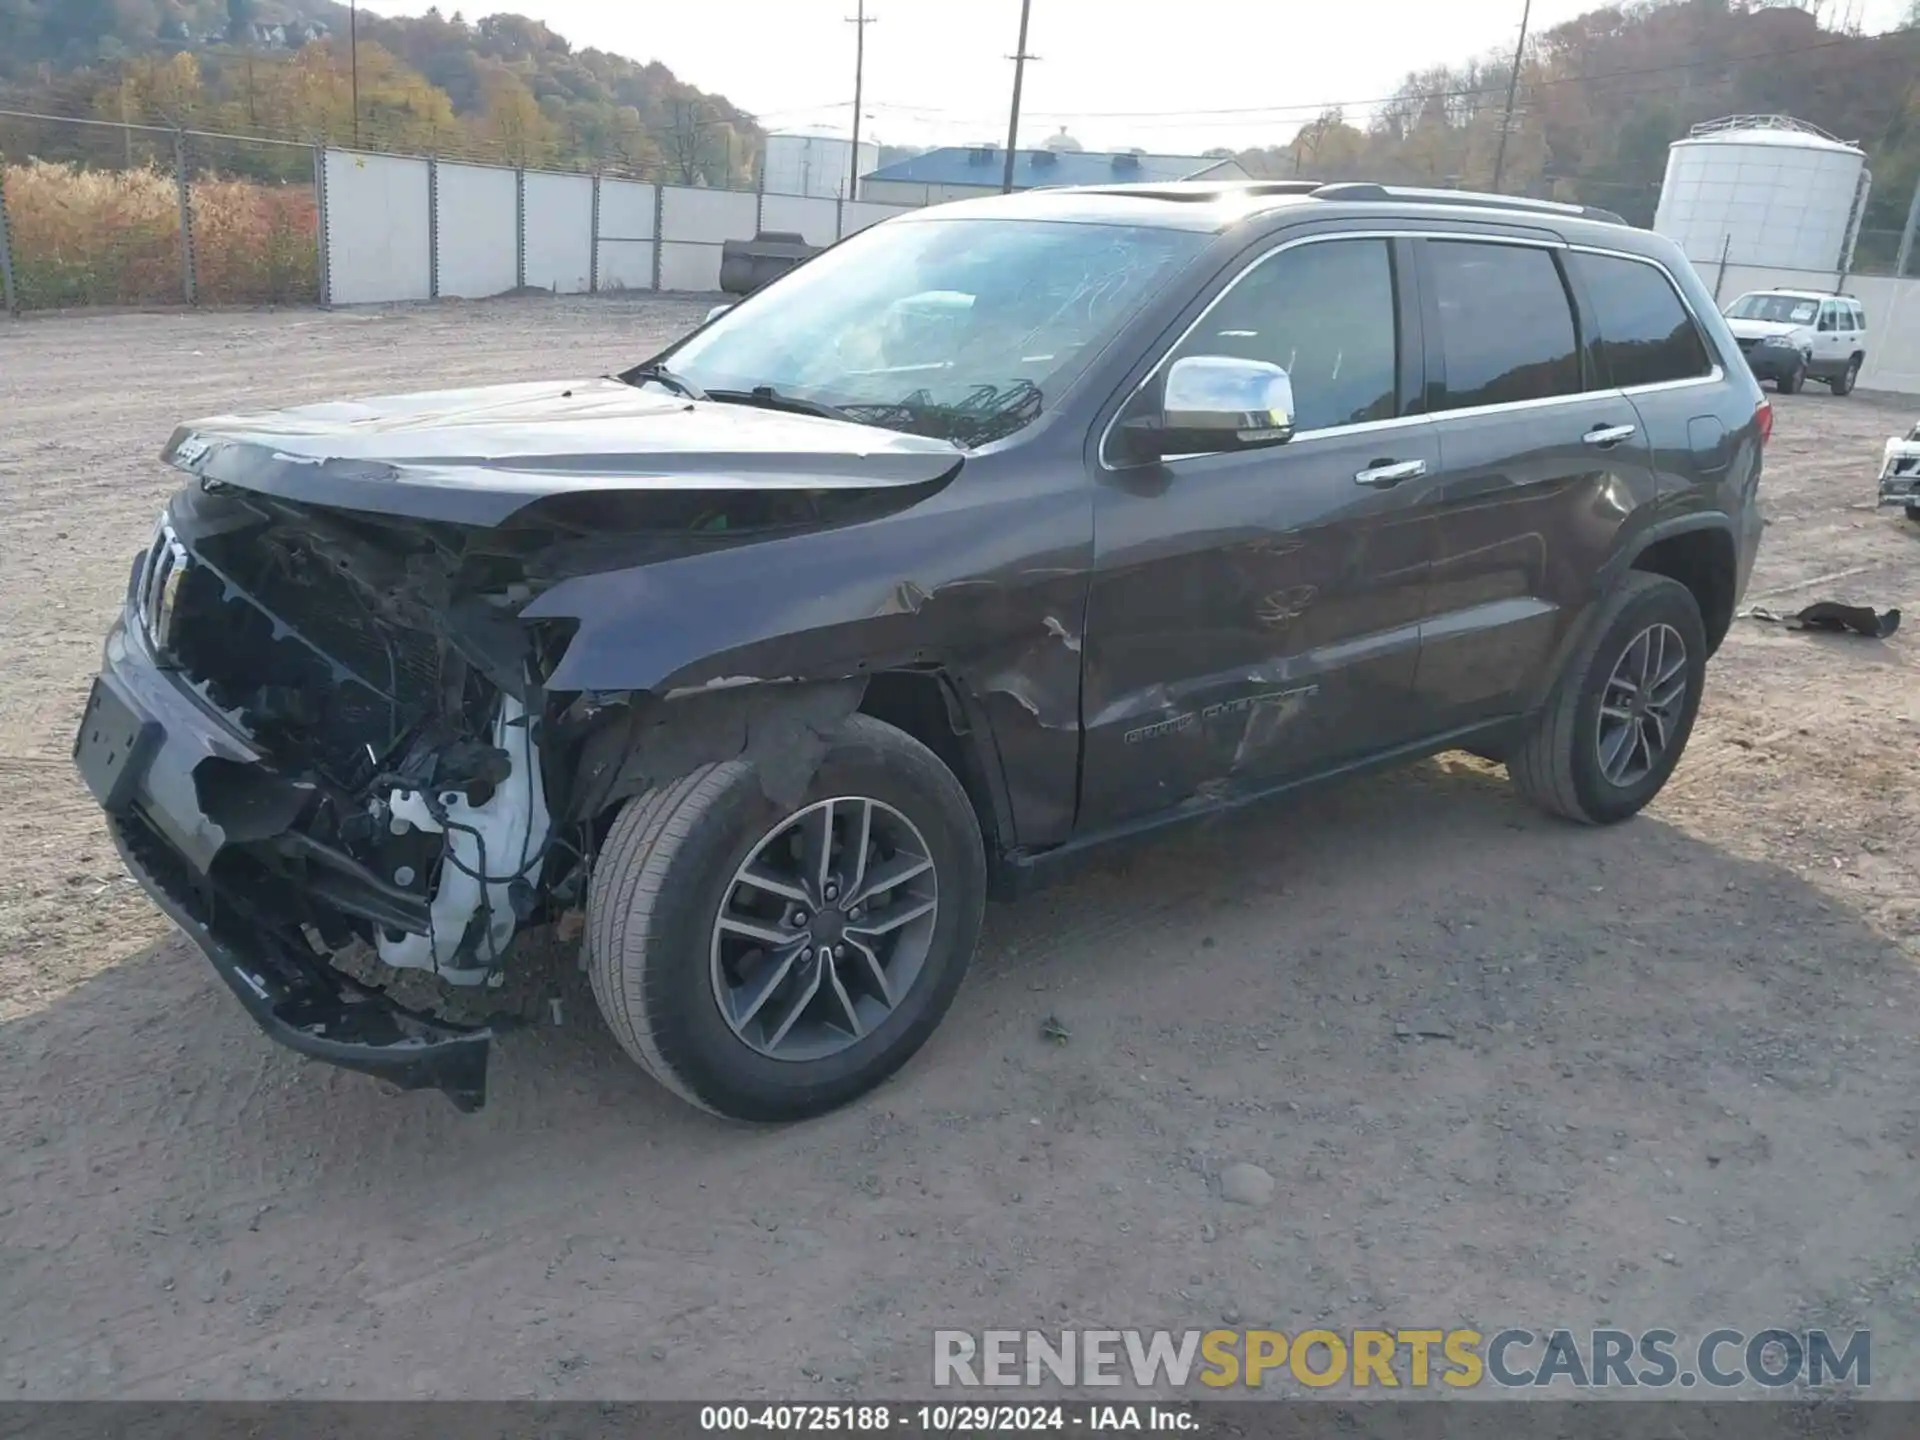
770 963
1621 714
1913 512
1789 384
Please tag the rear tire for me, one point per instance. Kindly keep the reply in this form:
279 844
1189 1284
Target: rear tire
1913 512
1842 383
1572 761
661 959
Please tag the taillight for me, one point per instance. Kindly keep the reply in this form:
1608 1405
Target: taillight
1763 417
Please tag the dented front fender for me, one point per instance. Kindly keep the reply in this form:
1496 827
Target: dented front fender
987 583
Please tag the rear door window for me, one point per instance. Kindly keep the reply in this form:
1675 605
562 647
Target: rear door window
1646 336
1506 326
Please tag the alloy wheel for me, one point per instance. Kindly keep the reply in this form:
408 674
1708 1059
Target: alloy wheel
824 928
1642 705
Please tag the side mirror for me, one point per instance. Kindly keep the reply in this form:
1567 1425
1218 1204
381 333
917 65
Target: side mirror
1211 403
716 312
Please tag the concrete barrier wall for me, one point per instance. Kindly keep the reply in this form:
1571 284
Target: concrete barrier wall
558 225
477 218
382 248
815 220
626 238
401 227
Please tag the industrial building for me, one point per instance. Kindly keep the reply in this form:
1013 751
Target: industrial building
814 164
1764 190
959 172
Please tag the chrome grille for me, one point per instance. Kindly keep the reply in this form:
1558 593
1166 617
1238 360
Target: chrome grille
166 566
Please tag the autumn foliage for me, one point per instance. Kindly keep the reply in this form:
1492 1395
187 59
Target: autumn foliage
99 237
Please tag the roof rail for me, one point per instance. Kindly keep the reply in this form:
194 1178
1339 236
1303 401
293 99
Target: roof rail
1204 191
1367 191
1267 187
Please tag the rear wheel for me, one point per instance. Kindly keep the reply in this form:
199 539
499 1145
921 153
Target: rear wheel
769 962
1913 512
1621 714
1843 382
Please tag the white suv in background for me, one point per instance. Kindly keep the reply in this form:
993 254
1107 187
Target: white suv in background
1792 336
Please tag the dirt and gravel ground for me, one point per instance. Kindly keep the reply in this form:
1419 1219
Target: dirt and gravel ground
1672 1077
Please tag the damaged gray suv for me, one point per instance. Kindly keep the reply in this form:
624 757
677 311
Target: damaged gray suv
995 533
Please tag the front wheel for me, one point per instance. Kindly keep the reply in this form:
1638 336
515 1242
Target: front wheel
1913 512
1790 383
1621 714
771 963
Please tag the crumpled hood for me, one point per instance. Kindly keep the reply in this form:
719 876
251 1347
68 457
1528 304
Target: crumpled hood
477 456
1761 329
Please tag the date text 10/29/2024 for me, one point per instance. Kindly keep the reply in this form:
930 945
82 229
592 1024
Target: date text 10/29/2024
948 1419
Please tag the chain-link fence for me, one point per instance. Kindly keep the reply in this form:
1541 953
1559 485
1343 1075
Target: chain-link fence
255 216
100 213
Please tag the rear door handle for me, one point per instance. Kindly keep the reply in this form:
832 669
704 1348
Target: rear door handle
1385 474
1609 435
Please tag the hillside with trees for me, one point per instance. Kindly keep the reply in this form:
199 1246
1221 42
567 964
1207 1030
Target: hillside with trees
502 88
1600 98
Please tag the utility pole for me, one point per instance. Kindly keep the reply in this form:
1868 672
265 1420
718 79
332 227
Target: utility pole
1513 85
859 20
1019 58
353 61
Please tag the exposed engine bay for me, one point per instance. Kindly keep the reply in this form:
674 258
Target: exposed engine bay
388 670
377 665
422 798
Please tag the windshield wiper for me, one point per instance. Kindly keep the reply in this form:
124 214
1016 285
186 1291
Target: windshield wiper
768 398
990 412
660 375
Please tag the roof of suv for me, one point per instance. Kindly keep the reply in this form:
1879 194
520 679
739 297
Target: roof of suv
1798 294
1214 205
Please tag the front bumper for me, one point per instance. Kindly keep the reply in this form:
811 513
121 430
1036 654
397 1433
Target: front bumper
141 742
1901 490
1773 362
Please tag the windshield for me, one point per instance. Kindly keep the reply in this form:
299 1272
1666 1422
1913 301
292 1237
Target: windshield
960 329
1778 309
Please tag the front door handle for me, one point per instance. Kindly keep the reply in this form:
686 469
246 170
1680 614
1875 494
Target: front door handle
1609 435
1384 474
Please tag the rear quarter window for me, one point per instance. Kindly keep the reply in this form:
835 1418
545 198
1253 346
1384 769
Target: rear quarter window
1645 334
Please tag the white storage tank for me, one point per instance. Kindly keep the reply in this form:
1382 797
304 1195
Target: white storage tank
1764 190
818 165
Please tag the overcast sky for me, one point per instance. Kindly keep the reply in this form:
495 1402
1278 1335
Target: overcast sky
1169 75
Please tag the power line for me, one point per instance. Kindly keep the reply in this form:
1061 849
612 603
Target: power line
1403 94
1316 106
